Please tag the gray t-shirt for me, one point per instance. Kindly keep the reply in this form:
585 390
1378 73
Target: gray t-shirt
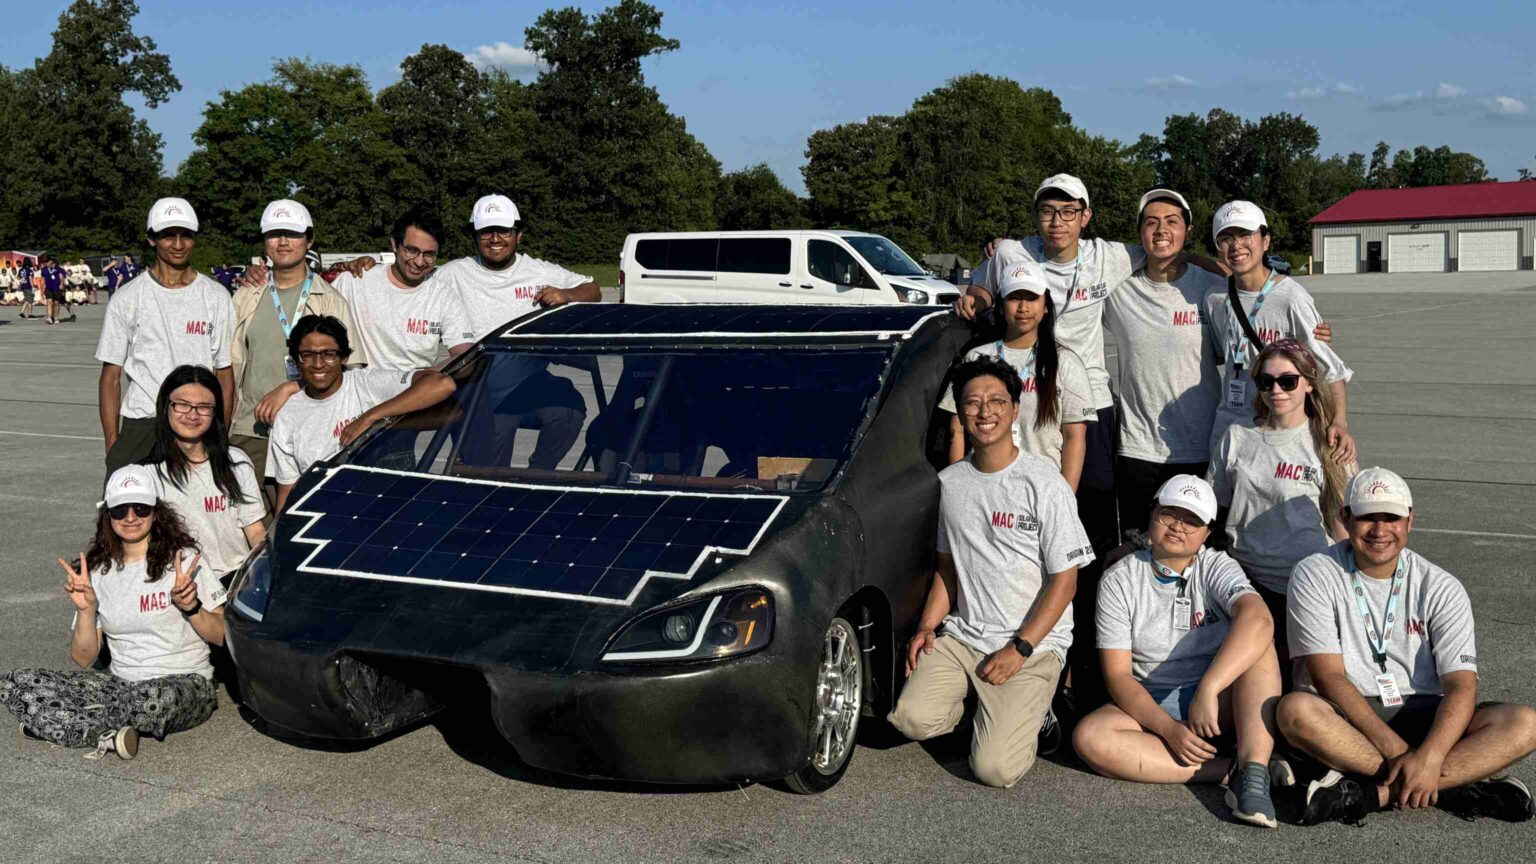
1434 637
1288 312
402 328
1074 402
265 347
217 523
151 329
308 430
495 297
1169 377
1273 481
1136 609
148 635
1008 531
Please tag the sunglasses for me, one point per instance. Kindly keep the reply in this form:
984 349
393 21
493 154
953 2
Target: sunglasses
120 512
1267 382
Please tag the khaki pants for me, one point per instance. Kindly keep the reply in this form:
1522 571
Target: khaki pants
1008 716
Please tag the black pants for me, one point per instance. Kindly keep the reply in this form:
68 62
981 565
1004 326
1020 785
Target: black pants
1096 507
1136 485
135 440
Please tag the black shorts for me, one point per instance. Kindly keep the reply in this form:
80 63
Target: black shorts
1412 719
54 294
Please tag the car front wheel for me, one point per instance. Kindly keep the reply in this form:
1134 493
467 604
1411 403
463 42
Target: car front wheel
835 717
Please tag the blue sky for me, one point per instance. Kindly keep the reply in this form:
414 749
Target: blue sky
753 81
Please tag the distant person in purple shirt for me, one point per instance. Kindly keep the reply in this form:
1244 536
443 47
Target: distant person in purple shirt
24 285
53 291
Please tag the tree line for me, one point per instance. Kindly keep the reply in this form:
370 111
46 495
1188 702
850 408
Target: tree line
590 152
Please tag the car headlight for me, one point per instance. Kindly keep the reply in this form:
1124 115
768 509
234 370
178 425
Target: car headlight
725 625
910 295
253 584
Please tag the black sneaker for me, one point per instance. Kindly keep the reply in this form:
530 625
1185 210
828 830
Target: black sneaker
1506 798
1050 734
1334 798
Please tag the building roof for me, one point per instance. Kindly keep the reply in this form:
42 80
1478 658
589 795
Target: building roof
1466 201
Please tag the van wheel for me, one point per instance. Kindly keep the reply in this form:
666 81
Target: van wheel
835 717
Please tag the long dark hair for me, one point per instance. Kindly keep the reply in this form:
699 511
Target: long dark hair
167 536
167 453
1047 362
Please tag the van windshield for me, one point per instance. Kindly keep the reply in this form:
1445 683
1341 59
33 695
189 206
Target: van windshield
885 256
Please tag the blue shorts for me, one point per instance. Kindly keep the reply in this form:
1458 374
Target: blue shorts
1174 700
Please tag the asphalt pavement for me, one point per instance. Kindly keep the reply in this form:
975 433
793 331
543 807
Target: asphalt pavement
1444 393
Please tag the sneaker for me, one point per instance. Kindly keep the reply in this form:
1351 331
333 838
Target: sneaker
126 743
28 733
1050 734
70 319
1334 798
1248 796
1281 774
1505 798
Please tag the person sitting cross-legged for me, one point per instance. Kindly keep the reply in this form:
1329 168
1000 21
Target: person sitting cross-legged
1387 691
1185 642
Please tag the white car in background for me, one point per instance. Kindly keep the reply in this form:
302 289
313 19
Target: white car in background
779 267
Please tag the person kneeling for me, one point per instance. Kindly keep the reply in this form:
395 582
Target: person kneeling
159 630
1387 693
1009 545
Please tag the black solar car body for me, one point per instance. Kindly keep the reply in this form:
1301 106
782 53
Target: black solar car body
711 582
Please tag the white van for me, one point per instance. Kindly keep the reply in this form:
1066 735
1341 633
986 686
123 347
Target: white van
776 267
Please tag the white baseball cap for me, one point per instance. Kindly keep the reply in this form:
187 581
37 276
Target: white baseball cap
1237 214
1190 493
1023 276
494 211
1160 193
1065 183
172 213
286 215
1377 490
132 484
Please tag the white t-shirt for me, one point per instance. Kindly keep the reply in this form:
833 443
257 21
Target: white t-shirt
1077 295
151 329
1074 400
148 635
1136 610
401 328
217 523
1169 376
495 297
1273 481
309 430
1007 531
1434 636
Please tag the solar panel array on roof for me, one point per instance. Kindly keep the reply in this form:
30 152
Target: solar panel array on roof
588 320
586 545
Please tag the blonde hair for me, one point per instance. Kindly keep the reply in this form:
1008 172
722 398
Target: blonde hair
1320 409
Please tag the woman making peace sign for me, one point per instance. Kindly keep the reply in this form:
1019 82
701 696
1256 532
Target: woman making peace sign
158 628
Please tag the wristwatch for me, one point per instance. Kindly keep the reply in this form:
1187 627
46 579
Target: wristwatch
1021 645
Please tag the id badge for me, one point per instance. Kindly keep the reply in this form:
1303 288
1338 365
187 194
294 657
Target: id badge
290 367
1237 390
1183 611
1386 685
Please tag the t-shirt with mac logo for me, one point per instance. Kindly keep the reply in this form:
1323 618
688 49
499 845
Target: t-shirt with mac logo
1007 531
308 430
151 329
148 635
404 328
216 522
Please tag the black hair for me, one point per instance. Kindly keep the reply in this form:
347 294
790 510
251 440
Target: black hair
1047 362
325 325
168 454
422 218
1168 199
168 538
980 366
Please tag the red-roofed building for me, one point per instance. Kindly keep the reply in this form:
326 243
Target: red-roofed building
1435 229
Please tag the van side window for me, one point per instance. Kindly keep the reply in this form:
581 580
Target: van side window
689 254
832 263
754 255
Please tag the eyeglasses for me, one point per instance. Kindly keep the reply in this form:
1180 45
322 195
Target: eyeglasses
1267 382
319 358
1237 235
181 407
423 254
1174 521
1065 214
504 233
120 512
995 405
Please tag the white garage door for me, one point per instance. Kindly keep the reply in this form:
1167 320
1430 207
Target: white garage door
1341 254
1416 253
1488 250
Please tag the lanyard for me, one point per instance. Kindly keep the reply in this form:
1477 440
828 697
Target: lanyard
282 317
1167 573
1072 291
1379 640
1239 348
1029 363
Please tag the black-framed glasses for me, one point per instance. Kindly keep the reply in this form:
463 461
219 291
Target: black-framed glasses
414 254
1065 214
973 407
496 231
1267 382
327 357
120 512
1169 519
180 407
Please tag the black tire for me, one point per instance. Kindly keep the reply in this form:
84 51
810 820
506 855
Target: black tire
836 711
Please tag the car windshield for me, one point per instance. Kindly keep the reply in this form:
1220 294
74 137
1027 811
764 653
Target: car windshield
885 256
768 419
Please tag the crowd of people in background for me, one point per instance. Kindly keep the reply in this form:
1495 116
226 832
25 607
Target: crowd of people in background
1192 583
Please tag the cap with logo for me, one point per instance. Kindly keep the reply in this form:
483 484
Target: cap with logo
286 215
1154 195
494 211
1237 214
1064 183
1190 493
1023 276
132 484
172 213
1377 490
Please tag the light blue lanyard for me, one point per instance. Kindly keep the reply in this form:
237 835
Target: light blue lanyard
282 317
1029 363
1239 347
1078 271
1382 639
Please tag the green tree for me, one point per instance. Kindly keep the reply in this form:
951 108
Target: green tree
755 199
852 173
1440 166
1379 174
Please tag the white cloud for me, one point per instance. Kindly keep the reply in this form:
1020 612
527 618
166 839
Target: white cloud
1176 82
1442 94
1346 88
1449 91
510 58
1306 93
1505 106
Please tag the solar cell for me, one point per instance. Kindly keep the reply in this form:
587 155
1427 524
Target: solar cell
585 545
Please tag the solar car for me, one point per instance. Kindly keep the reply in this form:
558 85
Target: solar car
674 544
